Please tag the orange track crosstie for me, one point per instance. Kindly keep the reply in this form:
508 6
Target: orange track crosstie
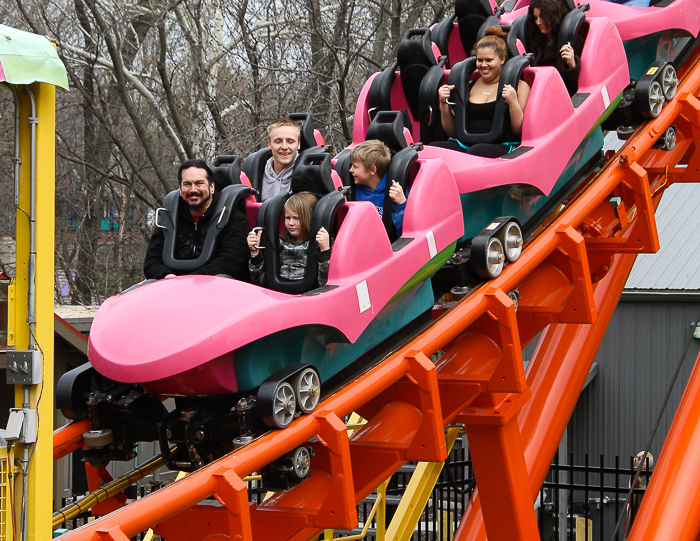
569 278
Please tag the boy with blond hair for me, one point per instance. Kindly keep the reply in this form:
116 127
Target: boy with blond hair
283 138
369 163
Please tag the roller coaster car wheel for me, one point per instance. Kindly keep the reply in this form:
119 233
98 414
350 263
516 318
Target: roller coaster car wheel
656 100
625 132
495 257
511 238
301 462
307 389
98 438
668 140
669 81
277 403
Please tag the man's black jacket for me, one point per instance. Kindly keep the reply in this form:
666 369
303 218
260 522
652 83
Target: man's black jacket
231 251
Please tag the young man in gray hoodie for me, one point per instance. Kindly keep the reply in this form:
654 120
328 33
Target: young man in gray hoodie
283 138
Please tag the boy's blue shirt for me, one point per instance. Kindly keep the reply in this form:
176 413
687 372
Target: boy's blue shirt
376 196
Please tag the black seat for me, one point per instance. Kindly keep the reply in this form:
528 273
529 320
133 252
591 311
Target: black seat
342 167
459 76
511 37
471 17
312 174
414 58
232 195
429 114
254 164
388 126
227 171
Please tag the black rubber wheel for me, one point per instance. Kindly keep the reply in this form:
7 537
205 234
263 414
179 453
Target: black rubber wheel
625 132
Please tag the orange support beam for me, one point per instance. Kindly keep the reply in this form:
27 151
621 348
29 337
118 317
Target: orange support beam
69 438
671 505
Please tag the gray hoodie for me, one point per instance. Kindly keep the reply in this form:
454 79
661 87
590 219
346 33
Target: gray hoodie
272 183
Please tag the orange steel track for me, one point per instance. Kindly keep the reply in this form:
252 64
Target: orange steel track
569 278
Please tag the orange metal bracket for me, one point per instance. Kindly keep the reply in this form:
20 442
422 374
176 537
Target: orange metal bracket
69 438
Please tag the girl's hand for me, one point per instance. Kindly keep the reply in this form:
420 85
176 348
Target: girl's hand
323 239
396 193
567 53
253 241
510 95
444 93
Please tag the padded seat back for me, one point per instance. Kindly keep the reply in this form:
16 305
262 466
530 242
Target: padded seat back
388 126
313 174
511 37
414 58
471 16
429 115
227 171
459 76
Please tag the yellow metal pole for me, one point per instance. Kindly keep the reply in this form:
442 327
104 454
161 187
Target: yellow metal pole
381 512
417 493
40 476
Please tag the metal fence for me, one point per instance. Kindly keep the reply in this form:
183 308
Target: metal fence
576 502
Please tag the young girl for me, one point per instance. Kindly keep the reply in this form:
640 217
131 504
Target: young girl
294 242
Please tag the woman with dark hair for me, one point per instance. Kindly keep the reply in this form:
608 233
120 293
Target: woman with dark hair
491 53
542 26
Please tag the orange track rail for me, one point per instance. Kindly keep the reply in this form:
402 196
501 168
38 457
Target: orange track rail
569 278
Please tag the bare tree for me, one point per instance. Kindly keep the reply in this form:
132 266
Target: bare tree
156 82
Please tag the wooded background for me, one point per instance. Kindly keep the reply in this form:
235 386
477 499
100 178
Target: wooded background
153 83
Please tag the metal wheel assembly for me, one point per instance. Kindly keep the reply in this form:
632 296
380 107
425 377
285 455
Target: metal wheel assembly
511 238
283 405
656 99
669 81
667 141
301 462
670 138
98 438
307 389
495 257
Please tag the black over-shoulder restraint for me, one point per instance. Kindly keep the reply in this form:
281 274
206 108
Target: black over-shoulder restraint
459 76
312 174
229 198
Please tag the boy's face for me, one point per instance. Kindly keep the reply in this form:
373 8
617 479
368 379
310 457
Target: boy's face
361 174
284 143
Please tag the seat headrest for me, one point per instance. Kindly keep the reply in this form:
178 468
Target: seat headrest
471 15
416 48
464 8
307 129
387 127
313 174
227 171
